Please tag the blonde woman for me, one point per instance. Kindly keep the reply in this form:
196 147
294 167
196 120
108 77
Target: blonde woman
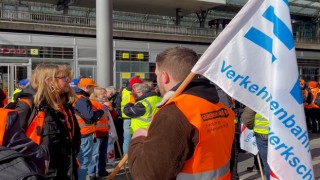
97 165
60 131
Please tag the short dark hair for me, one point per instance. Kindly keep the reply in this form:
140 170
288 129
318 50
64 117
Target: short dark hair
178 61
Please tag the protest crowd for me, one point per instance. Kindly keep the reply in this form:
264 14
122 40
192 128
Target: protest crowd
186 124
67 126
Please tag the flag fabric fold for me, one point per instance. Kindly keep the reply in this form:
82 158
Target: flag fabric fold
111 140
253 60
248 140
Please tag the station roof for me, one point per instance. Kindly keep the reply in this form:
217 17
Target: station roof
309 8
158 7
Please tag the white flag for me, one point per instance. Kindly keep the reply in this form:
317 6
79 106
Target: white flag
248 140
254 61
111 140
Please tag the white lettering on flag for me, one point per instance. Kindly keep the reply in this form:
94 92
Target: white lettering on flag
254 61
248 140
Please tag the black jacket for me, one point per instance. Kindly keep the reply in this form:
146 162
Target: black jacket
62 147
137 109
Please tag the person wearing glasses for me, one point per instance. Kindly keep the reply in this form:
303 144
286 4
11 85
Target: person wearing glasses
60 132
142 111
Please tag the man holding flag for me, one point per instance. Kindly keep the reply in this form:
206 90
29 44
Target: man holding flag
253 60
191 136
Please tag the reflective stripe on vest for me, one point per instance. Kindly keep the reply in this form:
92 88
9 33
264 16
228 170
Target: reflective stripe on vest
34 131
144 121
214 174
125 99
215 124
84 127
261 124
4 115
101 126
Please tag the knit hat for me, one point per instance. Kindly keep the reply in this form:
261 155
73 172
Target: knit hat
313 84
134 80
23 82
86 82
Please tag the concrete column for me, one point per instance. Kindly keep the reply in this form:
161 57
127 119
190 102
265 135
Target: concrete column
104 42
178 16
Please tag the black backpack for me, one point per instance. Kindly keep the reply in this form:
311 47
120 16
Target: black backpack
16 166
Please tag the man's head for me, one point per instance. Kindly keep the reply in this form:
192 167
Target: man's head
87 84
173 65
149 82
141 89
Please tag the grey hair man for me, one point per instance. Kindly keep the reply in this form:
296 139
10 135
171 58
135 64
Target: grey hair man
142 111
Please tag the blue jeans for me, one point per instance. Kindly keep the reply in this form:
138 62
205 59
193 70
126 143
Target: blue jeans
84 156
126 135
262 144
98 162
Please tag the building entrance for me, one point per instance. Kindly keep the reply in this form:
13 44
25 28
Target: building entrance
11 74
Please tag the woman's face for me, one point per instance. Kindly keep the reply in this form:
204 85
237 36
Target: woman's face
103 95
62 83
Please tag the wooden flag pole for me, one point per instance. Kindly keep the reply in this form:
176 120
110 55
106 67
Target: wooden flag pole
119 149
177 92
260 167
118 167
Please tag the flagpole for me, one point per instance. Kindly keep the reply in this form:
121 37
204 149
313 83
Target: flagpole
176 93
260 167
119 149
118 167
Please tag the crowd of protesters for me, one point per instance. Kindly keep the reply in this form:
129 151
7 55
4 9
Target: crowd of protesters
71 140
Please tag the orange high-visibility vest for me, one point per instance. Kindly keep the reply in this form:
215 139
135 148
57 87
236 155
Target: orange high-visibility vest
84 127
4 113
34 131
211 157
101 127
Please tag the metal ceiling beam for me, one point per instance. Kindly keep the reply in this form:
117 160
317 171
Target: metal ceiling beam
304 5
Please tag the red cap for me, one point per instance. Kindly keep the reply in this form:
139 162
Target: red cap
134 80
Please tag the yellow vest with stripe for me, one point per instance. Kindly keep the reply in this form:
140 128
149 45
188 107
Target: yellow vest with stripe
261 124
16 91
125 99
144 121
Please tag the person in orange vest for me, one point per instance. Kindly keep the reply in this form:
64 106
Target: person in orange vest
313 108
87 118
307 100
191 136
58 130
97 167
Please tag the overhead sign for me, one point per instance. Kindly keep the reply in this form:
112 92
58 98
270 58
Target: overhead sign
34 51
13 51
